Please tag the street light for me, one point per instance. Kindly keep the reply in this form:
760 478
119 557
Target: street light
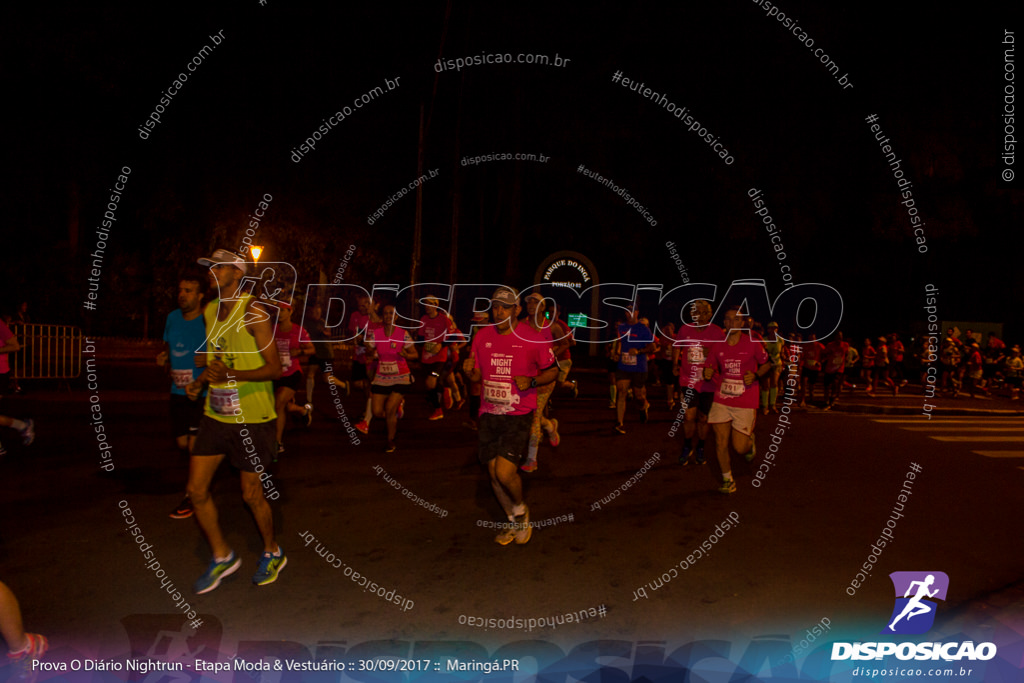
255 251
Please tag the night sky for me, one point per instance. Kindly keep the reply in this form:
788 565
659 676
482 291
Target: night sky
80 81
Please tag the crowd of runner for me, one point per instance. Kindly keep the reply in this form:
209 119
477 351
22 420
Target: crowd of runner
235 362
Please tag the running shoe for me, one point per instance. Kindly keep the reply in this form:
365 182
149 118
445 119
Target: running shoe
611 404
671 405
700 456
184 509
309 414
362 427
390 448
3 451
620 429
507 534
728 486
458 404
401 409
524 530
553 436
28 434
21 663
684 457
216 572
347 386
753 451
270 566
437 415
529 466
448 403
644 410
575 389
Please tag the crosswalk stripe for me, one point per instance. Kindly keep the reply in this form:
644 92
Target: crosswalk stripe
963 429
968 431
923 420
986 439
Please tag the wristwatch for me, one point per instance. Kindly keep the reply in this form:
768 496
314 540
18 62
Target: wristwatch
533 382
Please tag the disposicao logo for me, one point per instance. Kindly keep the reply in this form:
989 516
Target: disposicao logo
914 612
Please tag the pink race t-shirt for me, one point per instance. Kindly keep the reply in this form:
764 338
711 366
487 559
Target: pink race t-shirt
812 354
391 366
695 345
357 323
835 361
732 362
433 331
521 352
5 334
288 346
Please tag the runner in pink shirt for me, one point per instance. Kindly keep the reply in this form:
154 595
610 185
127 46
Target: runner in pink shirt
813 352
693 345
362 319
391 347
292 343
835 366
511 361
736 365
435 325
539 323
9 344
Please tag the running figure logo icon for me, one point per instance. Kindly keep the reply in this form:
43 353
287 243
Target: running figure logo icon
914 613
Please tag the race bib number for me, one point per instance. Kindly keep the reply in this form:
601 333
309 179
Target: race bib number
284 353
432 348
181 378
497 392
733 387
224 400
628 359
388 367
695 354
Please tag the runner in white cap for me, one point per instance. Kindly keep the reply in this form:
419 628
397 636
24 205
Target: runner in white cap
511 361
238 420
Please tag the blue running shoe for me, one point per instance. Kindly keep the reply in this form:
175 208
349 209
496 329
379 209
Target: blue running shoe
270 566
23 664
215 572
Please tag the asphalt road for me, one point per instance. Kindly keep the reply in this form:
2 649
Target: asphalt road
787 560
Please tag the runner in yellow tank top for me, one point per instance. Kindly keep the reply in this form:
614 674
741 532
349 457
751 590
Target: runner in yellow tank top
239 419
